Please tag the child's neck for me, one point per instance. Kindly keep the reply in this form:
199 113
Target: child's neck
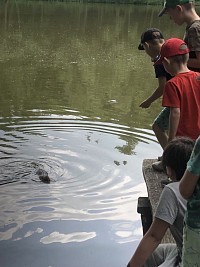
180 69
191 16
155 58
156 52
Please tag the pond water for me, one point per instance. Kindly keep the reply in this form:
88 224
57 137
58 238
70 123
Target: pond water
71 83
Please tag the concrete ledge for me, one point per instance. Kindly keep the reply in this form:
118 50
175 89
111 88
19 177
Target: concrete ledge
154 189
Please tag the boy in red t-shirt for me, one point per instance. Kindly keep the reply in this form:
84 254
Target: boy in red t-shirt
182 92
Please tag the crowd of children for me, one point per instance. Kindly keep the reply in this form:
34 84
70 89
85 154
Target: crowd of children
177 128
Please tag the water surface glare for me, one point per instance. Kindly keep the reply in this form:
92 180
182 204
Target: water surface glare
91 165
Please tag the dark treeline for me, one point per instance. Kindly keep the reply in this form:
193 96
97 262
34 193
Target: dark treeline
138 2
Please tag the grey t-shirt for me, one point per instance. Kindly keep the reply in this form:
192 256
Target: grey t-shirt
171 209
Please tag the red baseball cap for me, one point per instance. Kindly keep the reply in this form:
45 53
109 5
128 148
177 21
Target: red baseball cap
173 47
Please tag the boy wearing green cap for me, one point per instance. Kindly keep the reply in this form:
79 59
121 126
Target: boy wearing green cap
190 189
183 11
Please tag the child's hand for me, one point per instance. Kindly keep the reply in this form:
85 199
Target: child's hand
145 104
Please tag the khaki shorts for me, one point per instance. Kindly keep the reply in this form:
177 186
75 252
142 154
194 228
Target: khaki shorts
191 247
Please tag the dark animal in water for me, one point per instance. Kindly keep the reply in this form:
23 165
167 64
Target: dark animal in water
43 176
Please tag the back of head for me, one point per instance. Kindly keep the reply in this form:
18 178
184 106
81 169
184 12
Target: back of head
176 155
150 35
173 47
188 4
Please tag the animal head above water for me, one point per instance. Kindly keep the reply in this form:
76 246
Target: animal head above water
43 176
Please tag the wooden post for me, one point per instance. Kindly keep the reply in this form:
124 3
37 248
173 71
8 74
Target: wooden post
144 208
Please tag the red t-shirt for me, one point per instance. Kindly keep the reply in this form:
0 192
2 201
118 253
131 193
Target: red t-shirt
183 91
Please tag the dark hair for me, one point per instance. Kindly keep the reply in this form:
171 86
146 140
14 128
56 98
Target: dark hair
150 35
176 155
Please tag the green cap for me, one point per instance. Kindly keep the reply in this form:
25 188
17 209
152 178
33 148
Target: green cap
173 3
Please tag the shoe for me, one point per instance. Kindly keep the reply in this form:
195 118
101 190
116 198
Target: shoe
157 166
164 182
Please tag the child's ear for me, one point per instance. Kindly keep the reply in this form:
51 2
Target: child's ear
146 45
168 171
179 8
166 60
171 173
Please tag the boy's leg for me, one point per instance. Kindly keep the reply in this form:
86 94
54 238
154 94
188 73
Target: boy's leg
160 135
191 245
165 255
161 126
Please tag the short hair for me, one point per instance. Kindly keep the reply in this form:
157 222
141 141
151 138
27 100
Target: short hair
156 41
181 59
176 155
189 6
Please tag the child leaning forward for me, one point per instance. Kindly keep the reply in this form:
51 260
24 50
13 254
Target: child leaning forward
151 42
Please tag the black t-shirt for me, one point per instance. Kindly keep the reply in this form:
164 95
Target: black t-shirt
161 72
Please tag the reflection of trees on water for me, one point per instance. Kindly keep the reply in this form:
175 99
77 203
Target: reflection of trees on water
129 147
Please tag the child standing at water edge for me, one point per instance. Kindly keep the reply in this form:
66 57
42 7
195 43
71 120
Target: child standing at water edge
182 92
151 42
183 11
169 214
190 189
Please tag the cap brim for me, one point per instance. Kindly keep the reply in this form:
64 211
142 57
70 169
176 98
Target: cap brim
162 12
140 47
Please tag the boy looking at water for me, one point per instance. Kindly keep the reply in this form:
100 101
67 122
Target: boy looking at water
169 214
151 42
190 189
183 11
182 92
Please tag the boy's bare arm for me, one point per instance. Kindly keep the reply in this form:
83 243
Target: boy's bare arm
187 184
194 62
174 118
149 242
156 94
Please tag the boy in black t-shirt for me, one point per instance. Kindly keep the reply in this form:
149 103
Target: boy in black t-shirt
151 41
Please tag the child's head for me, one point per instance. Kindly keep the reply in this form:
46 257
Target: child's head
151 41
178 10
176 155
174 55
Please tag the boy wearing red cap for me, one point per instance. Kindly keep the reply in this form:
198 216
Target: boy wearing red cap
182 92
183 11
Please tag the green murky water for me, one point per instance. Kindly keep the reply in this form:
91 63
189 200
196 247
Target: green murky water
71 83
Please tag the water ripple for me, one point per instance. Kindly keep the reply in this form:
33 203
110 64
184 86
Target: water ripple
90 164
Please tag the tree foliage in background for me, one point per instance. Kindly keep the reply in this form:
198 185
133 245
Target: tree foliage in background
138 2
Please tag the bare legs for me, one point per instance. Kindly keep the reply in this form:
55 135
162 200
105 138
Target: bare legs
160 135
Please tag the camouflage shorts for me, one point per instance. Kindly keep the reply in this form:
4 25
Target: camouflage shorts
191 245
162 120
